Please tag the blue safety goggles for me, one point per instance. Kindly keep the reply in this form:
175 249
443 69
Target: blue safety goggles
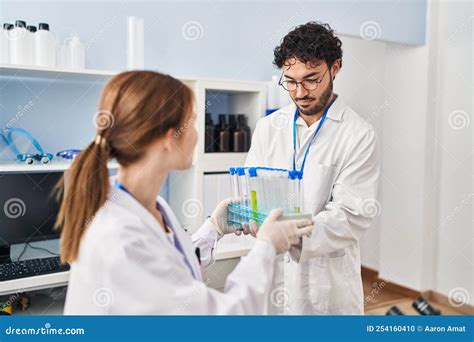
68 154
28 158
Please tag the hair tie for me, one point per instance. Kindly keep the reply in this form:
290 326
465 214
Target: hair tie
100 140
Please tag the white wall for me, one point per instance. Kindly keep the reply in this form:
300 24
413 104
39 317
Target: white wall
404 168
228 39
360 84
424 237
454 148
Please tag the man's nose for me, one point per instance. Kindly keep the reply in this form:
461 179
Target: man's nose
301 91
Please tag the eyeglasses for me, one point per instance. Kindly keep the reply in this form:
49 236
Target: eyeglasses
306 84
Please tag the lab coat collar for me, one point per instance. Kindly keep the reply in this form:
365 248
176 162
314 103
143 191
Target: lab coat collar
335 113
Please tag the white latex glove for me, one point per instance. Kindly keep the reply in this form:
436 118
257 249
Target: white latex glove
219 218
283 234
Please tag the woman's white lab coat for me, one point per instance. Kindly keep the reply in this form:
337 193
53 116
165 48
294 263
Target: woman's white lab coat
128 265
322 275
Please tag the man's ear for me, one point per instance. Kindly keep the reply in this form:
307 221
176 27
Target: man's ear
336 66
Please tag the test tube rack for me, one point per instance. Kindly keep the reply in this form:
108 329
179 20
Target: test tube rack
258 190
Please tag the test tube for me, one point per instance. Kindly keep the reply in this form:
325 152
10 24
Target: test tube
283 176
300 196
277 188
234 183
264 198
253 184
243 191
291 191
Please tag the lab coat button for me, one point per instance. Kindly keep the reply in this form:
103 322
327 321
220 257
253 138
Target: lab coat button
287 258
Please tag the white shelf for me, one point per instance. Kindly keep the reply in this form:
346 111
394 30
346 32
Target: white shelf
34 283
53 166
220 162
233 246
10 70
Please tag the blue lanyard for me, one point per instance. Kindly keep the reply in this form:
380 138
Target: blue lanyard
166 221
313 137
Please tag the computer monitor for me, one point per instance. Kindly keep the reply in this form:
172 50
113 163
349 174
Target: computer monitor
28 208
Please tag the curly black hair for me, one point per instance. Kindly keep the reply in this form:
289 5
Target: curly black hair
309 43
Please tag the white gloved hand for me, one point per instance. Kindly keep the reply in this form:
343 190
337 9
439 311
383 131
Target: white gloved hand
282 234
247 228
219 218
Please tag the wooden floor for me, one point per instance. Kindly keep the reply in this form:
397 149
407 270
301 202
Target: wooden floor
381 296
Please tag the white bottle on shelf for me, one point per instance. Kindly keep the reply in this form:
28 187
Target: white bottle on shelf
5 43
21 44
76 53
135 43
62 57
45 46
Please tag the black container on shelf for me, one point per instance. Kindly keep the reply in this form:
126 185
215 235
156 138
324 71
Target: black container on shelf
210 137
242 119
240 139
223 135
231 126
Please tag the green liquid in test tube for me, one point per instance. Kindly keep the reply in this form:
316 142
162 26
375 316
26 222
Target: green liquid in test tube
253 191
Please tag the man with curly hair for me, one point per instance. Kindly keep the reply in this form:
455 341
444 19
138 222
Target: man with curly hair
336 153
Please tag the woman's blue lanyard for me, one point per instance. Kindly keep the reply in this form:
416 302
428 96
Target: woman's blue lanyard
313 137
166 221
